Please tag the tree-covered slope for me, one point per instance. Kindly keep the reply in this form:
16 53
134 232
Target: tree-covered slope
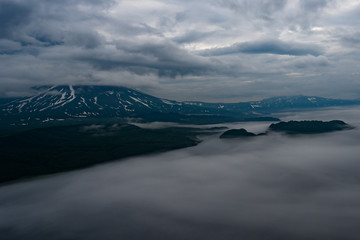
56 149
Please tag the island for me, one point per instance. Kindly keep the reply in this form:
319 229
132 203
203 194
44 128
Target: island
292 127
309 127
237 133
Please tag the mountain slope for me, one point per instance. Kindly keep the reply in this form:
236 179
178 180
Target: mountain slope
276 104
58 105
61 102
298 102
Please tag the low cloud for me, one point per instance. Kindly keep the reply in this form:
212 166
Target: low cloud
269 187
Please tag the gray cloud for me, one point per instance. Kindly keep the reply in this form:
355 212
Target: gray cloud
264 9
192 36
267 46
311 61
314 5
8 46
351 40
165 59
182 45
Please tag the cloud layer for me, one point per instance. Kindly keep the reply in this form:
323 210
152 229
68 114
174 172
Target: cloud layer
185 50
270 187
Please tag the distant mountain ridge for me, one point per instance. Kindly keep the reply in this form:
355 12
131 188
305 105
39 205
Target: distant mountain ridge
87 103
275 104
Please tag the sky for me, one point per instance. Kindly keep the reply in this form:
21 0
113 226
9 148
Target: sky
208 50
268 187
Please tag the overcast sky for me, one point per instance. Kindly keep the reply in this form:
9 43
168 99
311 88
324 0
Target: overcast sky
213 50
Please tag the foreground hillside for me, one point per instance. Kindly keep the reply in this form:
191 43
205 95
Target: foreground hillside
56 149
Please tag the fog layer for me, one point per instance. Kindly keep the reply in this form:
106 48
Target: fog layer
268 187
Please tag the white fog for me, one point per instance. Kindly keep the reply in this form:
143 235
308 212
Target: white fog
268 187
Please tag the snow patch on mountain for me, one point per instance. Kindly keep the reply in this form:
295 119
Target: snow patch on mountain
139 101
312 99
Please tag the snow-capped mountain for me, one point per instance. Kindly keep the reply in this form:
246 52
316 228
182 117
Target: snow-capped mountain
275 104
297 102
52 105
86 101
58 103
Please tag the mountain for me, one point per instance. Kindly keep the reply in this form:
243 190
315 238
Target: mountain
59 105
298 102
95 101
277 104
61 102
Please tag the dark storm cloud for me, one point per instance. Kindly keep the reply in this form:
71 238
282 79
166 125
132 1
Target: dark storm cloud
32 22
267 46
76 38
12 16
269 187
165 59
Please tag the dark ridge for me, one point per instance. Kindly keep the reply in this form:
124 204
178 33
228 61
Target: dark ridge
63 148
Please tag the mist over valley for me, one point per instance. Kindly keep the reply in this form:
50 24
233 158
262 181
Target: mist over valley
269 187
